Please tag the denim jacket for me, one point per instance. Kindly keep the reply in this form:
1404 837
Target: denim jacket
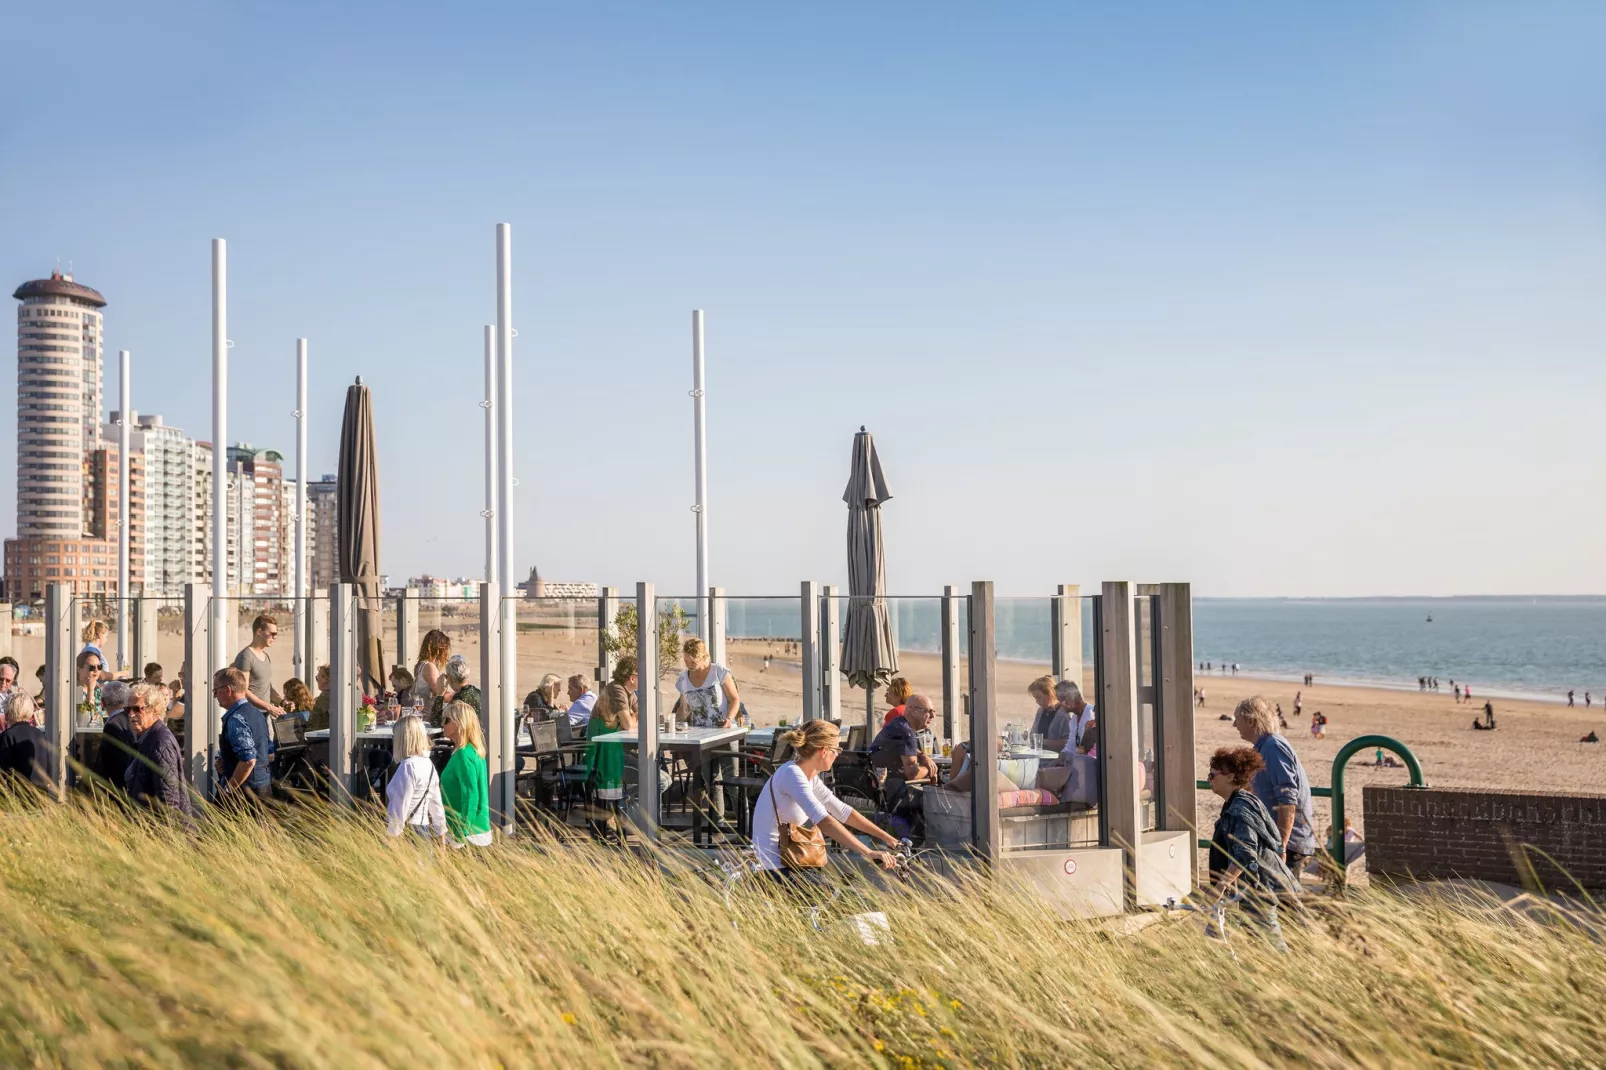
1245 834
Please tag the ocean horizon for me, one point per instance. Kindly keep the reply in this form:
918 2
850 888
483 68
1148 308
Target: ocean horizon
1513 646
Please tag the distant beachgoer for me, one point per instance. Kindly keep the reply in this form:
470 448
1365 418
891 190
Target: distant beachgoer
1586 700
1421 683
1458 694
1466 692
1201 696
1299 702
1235 668
1570 701
1282 722
1488 713
1591 738
1316 726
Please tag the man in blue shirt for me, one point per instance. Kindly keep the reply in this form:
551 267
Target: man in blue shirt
896 749
242 742
1282 785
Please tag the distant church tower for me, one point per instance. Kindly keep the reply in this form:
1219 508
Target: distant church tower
534 587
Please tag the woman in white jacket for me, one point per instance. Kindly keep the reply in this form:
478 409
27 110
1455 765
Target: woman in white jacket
414 791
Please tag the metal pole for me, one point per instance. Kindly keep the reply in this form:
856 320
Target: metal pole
809 649
61 679
299 564
986 827
491 484
699 405
345 692
830 654
647 709
220 450
124 511
951 706
716 624
607 610
198 706
504 503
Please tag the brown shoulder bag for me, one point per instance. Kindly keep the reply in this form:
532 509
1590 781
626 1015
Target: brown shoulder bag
801 847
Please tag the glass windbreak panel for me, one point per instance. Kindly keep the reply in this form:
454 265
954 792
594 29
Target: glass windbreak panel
1148 712
763 640
259 639
559 637
1049 788
447 624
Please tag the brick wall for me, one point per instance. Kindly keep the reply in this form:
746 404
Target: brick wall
1527 838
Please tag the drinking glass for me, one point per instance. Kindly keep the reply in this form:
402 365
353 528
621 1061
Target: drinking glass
1037 741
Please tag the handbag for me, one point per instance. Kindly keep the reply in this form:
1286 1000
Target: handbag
801 847
422 799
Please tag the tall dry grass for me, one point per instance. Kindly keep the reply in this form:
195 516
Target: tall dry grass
317 942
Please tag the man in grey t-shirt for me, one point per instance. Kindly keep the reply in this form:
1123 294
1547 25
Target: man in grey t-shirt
258 666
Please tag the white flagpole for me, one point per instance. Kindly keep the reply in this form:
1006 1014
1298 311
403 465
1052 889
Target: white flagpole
220 462
700 433
492 485
300 579
124 509
504 503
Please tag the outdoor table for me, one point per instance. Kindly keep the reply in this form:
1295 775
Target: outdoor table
1028 752
700 745
370 735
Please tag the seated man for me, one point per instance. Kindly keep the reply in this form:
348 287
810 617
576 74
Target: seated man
896 750
1081 723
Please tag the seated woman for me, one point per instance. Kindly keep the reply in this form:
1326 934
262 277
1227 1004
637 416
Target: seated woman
543 701
458 689
1246 850
896 694
298 700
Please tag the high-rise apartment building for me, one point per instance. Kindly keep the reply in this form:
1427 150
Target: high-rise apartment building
167 522
256 518
62 481
323 514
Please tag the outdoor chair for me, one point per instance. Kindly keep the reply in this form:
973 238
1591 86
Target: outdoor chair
291 750
855 737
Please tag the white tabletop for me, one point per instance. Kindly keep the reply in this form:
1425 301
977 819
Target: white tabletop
697 737
1027 752
373 735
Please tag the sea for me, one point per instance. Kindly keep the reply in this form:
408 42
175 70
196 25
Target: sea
1514 647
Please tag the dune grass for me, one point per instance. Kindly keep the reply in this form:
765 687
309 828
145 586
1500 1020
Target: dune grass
317 942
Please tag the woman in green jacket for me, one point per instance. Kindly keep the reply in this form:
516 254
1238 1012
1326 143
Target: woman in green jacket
466 783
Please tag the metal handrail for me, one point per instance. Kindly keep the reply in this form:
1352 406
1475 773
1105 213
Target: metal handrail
1335 841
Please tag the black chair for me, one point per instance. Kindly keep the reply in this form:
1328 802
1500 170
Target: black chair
291 752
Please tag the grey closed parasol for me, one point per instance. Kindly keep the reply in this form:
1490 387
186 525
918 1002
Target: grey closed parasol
869 655
357 498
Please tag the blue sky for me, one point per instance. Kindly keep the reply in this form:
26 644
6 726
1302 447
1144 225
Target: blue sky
1277 300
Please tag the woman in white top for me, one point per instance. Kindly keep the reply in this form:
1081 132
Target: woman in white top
796 794
414 791
708 699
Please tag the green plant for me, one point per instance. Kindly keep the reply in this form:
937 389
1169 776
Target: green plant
620 637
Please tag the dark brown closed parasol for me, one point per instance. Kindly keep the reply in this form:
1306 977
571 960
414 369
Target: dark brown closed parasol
357 494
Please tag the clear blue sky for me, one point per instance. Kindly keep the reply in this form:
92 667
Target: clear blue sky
1280 300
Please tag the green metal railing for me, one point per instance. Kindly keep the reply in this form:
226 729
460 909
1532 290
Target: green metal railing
1335 841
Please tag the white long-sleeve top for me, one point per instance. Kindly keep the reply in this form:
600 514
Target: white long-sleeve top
415 798
793 798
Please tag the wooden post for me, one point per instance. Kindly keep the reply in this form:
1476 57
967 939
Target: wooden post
407 629
717 625
317 635
146 623
647 709
345 691
7 644
809 648
1179 796
1066 633
493 705
831 682
61 680
607 610
1118 729
952 700
986 828
200 733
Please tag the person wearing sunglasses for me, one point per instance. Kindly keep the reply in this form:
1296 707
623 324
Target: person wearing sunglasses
117 744
257 665
155 778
